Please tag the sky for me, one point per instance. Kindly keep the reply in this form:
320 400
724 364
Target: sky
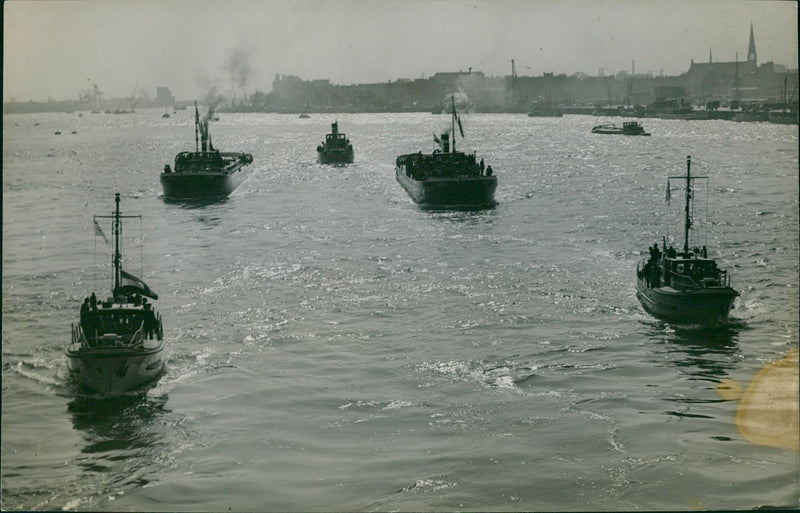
56 48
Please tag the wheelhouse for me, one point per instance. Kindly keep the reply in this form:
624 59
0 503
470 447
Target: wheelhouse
686 271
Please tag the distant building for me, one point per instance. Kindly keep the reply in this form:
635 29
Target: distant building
737 80
164 97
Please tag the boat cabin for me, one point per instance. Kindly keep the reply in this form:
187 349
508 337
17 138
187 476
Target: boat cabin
686 270
198 162
208 161
632 127
439 165
335 141
119 323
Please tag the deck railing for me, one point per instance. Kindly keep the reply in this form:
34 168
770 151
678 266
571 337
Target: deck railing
680 280
135 339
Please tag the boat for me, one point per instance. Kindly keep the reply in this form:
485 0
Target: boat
205 173
545 110
304 116
336 148
118 344
684 287
447 178
627 128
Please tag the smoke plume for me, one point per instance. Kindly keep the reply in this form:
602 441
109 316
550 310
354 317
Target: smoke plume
238 64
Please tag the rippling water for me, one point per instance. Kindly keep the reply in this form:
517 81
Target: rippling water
334 347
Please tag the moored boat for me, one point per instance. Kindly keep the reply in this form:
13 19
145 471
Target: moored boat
336 148
627 128
205 173
118 344
684 287
447 178
545 110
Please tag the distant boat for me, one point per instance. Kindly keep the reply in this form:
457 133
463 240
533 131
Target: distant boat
545 110
304 116
445 178
205 173
336 148
118 345
685 287
627 128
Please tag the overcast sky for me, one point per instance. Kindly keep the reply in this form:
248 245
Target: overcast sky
56 48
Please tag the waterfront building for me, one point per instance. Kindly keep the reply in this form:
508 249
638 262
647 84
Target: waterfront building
745 80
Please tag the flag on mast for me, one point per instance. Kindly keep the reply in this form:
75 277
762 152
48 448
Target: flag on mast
131 284
99 231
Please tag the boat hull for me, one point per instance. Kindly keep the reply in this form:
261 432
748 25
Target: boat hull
335 157
707 306
468 192
618 132
187 186
115 370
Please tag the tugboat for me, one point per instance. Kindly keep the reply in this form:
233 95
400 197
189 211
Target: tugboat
685 287
627 128
336 149
205 173
445 178
118 345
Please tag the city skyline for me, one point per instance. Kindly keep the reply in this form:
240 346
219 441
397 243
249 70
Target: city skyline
56 49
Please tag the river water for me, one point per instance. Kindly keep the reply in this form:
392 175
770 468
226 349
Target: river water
334 347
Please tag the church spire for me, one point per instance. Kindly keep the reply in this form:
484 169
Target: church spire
751 50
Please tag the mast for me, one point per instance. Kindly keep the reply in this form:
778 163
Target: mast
196 123
117 228
453 122
688 219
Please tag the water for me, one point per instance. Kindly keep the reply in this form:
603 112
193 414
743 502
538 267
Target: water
334 347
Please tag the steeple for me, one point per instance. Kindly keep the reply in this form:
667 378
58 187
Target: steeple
751 50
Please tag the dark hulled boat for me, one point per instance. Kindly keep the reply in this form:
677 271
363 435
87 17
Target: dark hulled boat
205 173
545 110
684 287
336 149
118 345
627 128
445 178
